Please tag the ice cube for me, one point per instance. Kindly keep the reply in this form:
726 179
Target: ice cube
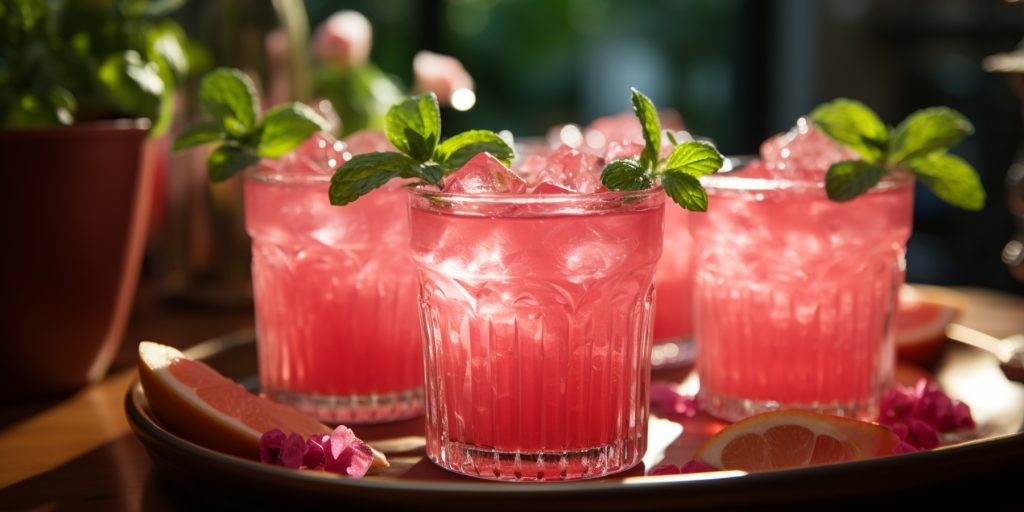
803 152
546 187
368 141
484 174
573 169
321 154
617 149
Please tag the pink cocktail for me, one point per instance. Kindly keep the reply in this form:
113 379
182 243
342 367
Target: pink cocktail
620 136
335 293
536 308
795 293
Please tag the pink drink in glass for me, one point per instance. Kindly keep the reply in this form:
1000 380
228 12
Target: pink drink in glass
335 295
795 293
621 136
536 316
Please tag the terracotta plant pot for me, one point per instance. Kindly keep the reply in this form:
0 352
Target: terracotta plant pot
73 224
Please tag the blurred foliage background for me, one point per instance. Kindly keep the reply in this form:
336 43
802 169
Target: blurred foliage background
737 70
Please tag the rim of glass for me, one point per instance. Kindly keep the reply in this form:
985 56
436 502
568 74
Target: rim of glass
430 193
732 180
267 174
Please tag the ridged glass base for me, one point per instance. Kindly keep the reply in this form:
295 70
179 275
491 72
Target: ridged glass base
673 353
539 467
734 409
349 409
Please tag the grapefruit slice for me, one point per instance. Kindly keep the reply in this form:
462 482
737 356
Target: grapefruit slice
199 404
921 320
787 439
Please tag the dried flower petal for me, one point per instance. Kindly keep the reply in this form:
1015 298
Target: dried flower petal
696 466
270 446
918 415
292 451
668 403
924 435
347 454
314 457
664 469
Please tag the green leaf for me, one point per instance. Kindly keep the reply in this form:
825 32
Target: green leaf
229 97
414 126
226 161
367 171
695 158
851 178
133 84
648 116
454 152
287 126
928 130
625 174
198 134
431 173
166 45
852 123
685 190
951 178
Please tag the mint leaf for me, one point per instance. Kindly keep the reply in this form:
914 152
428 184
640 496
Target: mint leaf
951 178
625 174
928 130
852 123
851 178
198 134
694 158
685 190
229 97
454 152
414 126
226 161
648 116
431 173
287 126
365 172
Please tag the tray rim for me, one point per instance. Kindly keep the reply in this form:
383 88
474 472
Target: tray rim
154 436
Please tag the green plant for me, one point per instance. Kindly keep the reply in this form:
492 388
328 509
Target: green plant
65 61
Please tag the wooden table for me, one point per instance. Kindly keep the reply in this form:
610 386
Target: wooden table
77 453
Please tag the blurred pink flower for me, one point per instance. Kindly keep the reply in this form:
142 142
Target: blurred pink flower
441 74
344 39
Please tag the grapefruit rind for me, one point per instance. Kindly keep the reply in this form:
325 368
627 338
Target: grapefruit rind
181 409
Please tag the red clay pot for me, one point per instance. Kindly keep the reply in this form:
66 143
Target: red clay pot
73 225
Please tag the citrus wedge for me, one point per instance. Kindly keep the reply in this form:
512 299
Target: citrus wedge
199 404
921 320
787 439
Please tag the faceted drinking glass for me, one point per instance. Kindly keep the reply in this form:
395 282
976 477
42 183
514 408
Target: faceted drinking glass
536 316
335 295
795 293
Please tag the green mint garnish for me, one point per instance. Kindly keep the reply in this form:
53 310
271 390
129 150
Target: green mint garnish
229 97
918 145
414 127
678 173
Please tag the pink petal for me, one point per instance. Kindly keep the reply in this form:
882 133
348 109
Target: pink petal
348 454
270 446
961 417
315 449
696 466
664 469
906 447
668 403
292 451
925 436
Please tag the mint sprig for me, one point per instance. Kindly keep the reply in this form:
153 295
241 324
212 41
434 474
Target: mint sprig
919 145
228 96
678 173
414 127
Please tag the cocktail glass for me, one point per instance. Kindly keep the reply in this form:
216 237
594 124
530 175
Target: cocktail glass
536 313
795 293
335 295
